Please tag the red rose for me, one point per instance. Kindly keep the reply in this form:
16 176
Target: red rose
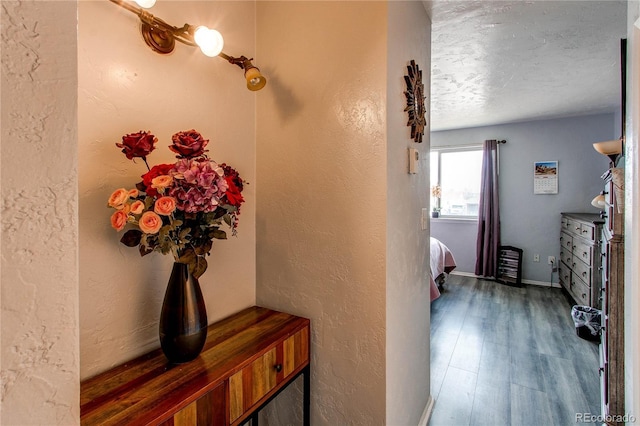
234 197
188 144
158 170
234 181
137 144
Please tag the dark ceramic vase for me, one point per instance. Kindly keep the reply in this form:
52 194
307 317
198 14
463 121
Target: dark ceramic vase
183 319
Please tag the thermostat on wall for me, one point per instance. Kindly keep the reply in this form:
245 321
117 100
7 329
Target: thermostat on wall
414 156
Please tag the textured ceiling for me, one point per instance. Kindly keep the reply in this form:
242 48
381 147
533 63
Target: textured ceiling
507 61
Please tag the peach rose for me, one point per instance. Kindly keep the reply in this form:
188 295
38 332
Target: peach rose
133 193
118 198
165 206
150 223
161 182
137 207
118 220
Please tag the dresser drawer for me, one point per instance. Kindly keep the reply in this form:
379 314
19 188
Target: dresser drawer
566 256
583 251
573 226
564 272
582 270
250 385
588 231
580 291
566 242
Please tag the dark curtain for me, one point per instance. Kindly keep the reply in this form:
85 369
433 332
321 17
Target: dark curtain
488 241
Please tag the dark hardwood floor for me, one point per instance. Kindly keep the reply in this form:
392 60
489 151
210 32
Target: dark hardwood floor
504 355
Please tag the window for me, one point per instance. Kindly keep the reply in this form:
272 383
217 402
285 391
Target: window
457 172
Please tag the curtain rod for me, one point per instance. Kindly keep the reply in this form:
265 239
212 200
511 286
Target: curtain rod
475 145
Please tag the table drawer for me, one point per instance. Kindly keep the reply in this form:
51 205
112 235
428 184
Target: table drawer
251 384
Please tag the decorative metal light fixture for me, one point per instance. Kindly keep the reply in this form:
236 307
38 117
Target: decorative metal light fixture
161 37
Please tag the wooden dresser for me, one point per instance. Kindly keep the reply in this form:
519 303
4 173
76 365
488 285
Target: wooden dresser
612 339
580 262
247 360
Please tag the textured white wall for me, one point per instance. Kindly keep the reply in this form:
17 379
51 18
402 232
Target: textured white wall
408 296
40 365
125 87
321 146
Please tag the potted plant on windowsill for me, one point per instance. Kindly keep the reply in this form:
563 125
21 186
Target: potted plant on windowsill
435 193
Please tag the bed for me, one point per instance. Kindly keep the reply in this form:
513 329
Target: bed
442 263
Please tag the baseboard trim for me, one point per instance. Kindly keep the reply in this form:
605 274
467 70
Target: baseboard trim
426 414
530 282
464 274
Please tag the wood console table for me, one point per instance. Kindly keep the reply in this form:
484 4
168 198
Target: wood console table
247 360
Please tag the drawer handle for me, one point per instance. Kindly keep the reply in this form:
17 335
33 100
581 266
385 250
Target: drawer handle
573 247
584 295
584 254
278 368
603 215
603 192
584 231
584 274
577 228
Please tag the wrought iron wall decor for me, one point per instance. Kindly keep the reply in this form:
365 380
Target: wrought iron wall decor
415 101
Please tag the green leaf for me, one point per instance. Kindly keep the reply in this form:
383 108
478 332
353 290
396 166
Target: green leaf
198 267
188 256
131 238
144 250
219 234
205 248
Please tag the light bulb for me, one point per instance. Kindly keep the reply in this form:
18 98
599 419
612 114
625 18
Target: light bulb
210 41
255 80
146 3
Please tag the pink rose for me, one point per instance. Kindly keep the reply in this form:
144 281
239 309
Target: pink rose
137 144
150 223
137 207
188 144
165 206
118 220
118 198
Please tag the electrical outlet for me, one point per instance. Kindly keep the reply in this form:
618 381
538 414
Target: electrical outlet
536 258
551 260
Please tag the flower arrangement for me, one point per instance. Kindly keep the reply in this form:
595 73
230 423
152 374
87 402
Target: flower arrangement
180 207
436 193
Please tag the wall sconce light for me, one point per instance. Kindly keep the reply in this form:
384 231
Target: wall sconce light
161 38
